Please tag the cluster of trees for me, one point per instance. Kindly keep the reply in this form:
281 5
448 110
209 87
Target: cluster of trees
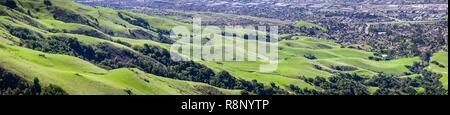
191 71
428 79
379 57
341 84
71 16
304 91
438 64
353 84
310 56
344 68
123 43
337 67
47 2
12 84
60 45
393 85
13 4
318 67
134 20
375 58
224 79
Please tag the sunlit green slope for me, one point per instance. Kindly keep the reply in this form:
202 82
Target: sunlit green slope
78 77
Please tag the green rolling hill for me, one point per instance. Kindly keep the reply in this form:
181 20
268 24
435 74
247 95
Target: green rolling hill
74 75
79 77
87 50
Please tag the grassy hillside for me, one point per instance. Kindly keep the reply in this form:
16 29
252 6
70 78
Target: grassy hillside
97 21
442 59
78 77
95 50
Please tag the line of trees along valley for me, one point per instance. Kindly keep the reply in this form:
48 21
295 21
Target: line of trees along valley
353 84
149 58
